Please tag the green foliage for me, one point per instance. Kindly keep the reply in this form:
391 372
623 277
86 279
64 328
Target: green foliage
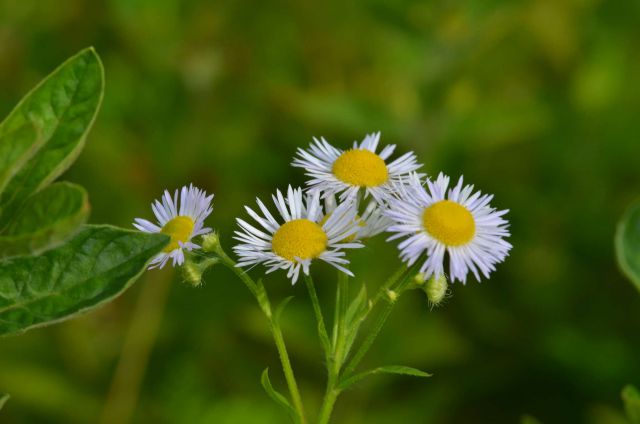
39 140
388 369
274 394
627 243
356 313
631 399
48 218
95 266
4 397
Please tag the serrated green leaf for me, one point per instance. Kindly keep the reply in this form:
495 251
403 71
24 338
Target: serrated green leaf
95 266
62 108
4 397
389 369
627 242
47 219
631 399
278 312
273 393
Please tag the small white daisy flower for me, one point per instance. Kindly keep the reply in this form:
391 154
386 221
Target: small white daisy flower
303 236
458 222
371 221
182 219
334 171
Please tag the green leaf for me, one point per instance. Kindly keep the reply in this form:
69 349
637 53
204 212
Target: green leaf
389 369
356 313
47 219
280 308
4 397
273 393
92 268
627 243
17 146
631 398
62 108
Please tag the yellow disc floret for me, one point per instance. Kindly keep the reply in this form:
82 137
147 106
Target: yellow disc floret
300 238
449 222
179 229
361 167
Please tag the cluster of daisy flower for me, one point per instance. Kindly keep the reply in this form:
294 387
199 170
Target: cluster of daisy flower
351 195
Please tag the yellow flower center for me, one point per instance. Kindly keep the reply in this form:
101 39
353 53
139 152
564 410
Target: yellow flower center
300 238
361 167
449 222
179 229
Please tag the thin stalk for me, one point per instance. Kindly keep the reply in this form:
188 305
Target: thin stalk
342 300
382 319
322 329
260 294
338 345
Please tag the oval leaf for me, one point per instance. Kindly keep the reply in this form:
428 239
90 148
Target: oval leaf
273 393
628 243
3 399
17 145
95 266
62 108
389 369
47 219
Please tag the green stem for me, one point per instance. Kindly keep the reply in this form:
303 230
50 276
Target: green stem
329 401
322 329
342 296
338 344
260 294
382 319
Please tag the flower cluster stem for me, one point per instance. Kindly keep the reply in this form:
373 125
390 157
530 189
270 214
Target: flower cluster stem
260 293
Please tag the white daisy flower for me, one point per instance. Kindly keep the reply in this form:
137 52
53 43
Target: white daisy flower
458 222
182 219
334 171
303 236
371 221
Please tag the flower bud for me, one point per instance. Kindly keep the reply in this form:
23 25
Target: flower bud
436 289
393 296
419 278
192 271
211 242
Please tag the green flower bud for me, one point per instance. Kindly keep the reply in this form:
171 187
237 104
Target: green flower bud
436 289
419 278
192 270
211 242
393 296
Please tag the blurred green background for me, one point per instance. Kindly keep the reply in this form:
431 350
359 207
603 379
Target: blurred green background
536 101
